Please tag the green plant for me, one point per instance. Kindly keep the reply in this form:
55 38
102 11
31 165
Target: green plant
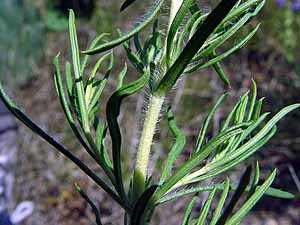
161 62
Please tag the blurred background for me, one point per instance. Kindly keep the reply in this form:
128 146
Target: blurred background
32 32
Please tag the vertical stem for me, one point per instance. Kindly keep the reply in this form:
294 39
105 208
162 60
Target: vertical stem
144 148
151 118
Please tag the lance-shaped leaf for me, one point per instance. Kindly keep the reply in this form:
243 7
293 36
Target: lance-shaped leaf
206 123
216 169
92 45
224 55
78 76
91 203
246 149
125 37
98 86
218 210
80 97
188 210
134 58
205 208
272 192
252 100
183 32
176 148
183 10
69 80
255 181
194 45
212 168
112 113
65 106
219 70
90 84
245 180
248 205
257 109
121 77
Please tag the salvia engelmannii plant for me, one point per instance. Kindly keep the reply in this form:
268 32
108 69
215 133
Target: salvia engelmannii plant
191 42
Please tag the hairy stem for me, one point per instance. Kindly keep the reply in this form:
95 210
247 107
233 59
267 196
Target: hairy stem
146 139
151 118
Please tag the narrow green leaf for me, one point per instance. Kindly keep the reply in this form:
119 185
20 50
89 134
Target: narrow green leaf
112 113
78 77
248 131
98 87
69 79
121 76
176 148
90 87
248 205
92 45
257 109
231 114
240 112
196 25
224 36
109 45
255 181
183 32
205 208
206 123
243 8
102 152
134 58
193 46
188 210
272 192
65 106
84 114
252 100
245 179
220 72
217 213
224 55
227 162
265 130
139 48
90 202
183 10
